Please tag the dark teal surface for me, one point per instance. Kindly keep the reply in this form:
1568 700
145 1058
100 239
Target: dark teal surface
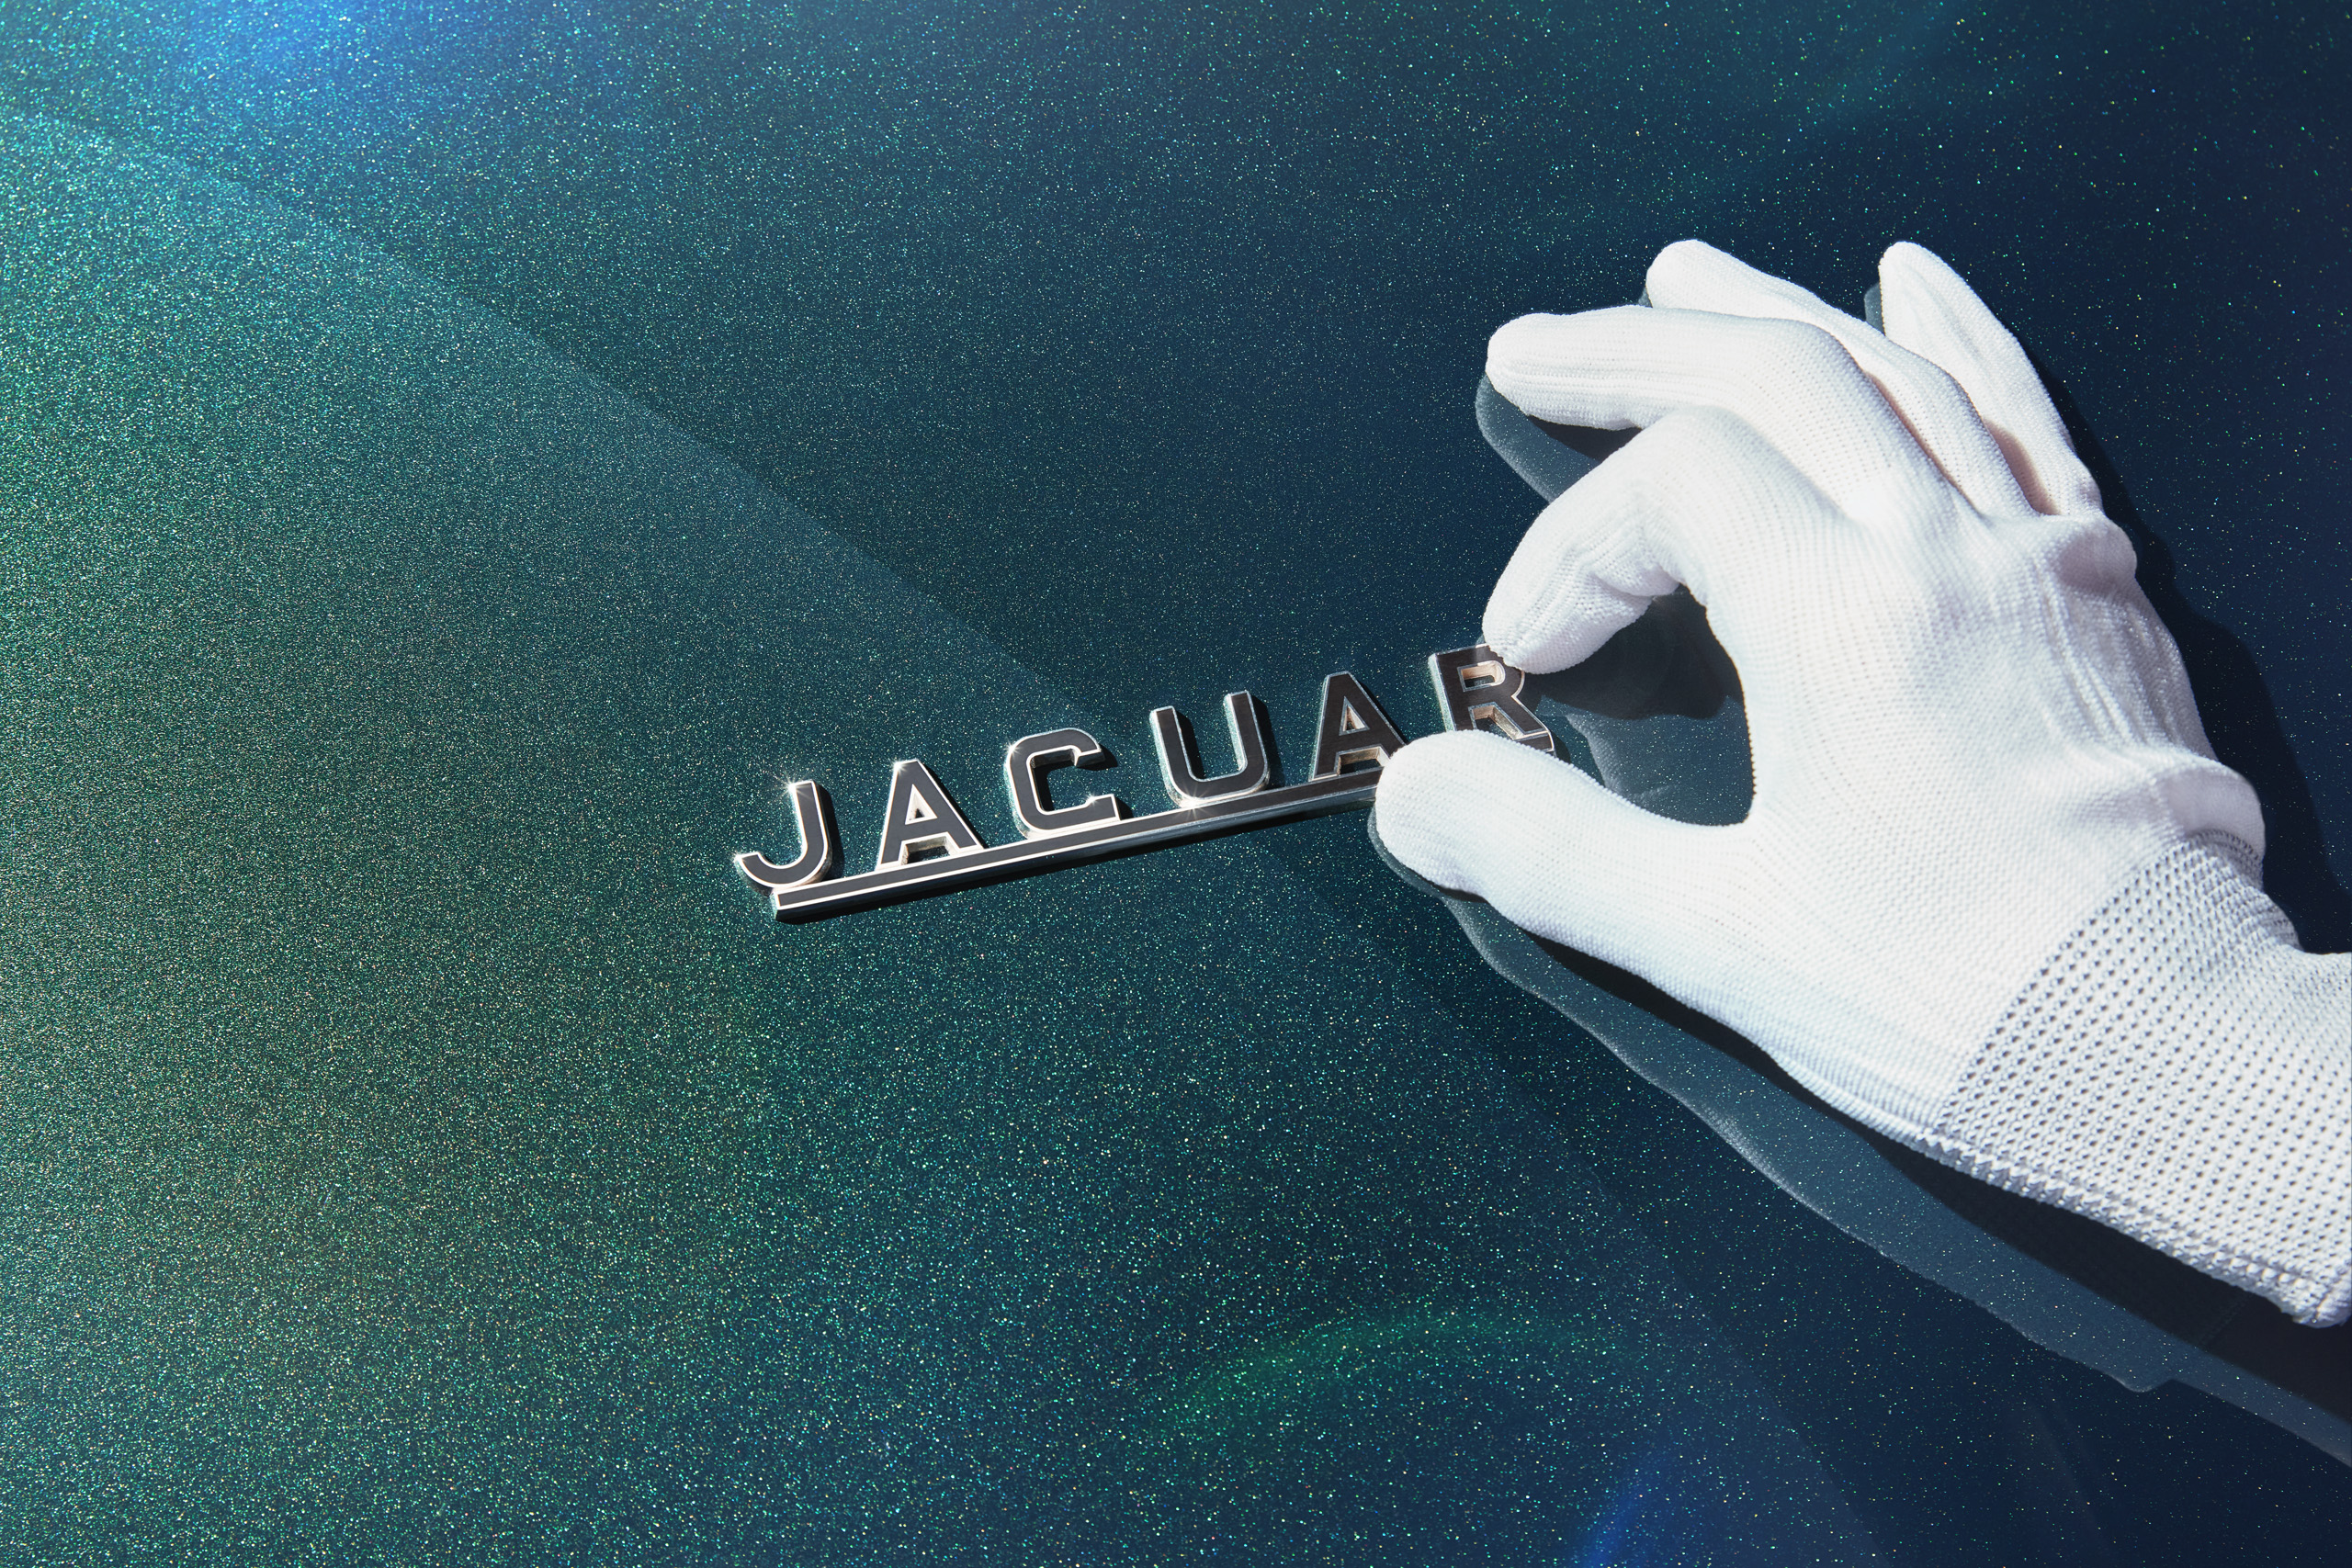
456 461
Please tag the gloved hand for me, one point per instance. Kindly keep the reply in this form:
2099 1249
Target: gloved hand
1995 898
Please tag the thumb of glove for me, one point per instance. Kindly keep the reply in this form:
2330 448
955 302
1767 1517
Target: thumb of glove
1555 853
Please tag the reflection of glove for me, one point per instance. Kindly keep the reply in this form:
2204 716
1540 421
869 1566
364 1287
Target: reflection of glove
1995 897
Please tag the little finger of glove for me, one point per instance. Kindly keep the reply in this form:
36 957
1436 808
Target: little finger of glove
1931 312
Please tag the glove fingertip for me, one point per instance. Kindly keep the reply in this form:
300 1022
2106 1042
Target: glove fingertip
1418 808
1478 815
1911 253
1678 260
1555 853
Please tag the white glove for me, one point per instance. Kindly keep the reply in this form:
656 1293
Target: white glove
1995 897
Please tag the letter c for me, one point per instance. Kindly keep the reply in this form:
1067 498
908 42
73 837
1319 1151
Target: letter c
1027 762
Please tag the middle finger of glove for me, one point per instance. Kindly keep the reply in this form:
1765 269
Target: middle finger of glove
1793 383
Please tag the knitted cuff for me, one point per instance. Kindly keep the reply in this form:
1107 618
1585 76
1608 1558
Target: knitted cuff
2181 1070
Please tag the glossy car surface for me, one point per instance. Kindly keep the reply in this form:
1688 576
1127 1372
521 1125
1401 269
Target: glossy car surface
459 463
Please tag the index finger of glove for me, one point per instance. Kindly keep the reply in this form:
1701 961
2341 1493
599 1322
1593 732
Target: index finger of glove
1791 382
1692 275
1702 499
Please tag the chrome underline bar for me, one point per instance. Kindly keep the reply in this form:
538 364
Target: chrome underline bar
951 874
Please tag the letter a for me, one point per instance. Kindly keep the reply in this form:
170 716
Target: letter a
920 818
1352 731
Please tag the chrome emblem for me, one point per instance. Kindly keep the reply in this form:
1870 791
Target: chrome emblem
928 847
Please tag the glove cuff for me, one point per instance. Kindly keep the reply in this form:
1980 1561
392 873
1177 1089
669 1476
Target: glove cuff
2181 1070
